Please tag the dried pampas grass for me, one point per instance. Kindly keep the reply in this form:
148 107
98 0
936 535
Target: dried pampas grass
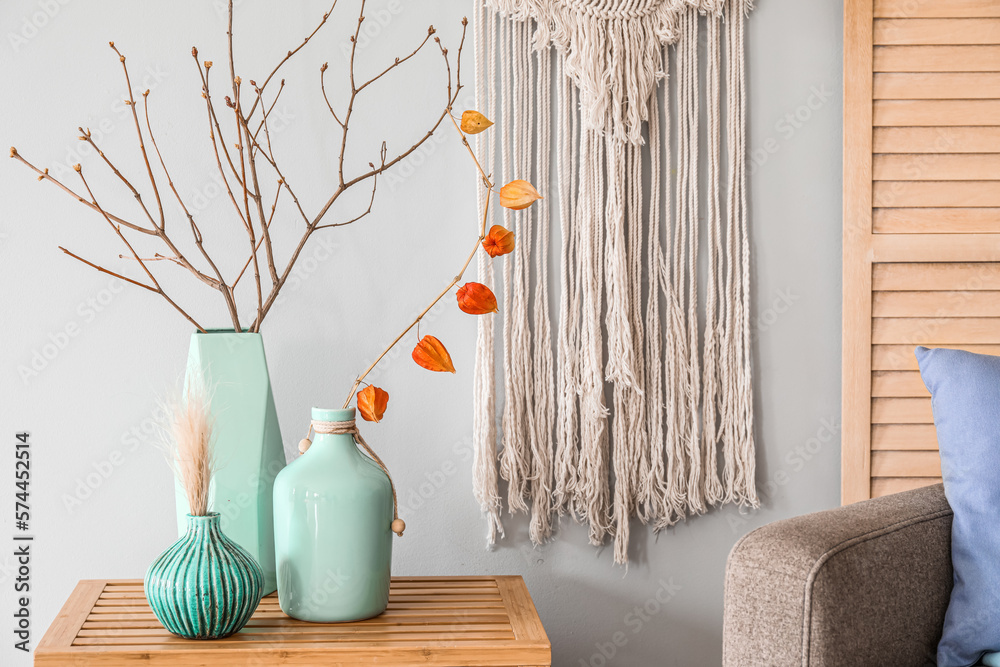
189 443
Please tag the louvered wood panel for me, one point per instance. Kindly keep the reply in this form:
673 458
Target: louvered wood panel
904 276
892 194
933 220
917 140
913 140
906 464
931 331
884 486
936 31
895 384
935 113
934 59
923 167
902 411
936 304
921 222
936 86
903 437
901 358
936 8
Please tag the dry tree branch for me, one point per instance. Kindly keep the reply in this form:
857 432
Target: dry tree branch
322 87
398 61
138 131
216 136
454 87
157 230
371 201
290 53
155 258
487 183
257 198
104 270
240 128
85 135
43 175
244 170
267 113
220 284
118 230
274 206
269 156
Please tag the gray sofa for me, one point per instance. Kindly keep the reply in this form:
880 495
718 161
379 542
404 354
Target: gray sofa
859 586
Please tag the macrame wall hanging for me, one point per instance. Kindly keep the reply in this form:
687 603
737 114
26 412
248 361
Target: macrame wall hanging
581 85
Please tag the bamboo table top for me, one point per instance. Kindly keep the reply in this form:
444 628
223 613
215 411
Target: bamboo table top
443 621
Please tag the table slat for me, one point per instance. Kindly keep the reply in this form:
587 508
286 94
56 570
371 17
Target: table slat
434 621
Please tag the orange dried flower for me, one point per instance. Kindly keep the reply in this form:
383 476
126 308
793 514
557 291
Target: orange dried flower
518 194
477 299
474 122
432 355
372 403
499 241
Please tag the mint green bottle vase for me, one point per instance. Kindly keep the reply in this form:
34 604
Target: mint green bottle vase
205 586
248 448
333 539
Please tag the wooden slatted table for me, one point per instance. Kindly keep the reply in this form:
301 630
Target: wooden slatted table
444 621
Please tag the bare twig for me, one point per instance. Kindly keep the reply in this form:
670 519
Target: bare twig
269 156
371 201
453 90
291 53
118 230
242 175
43 175
138 131
86 135
156 258
322 87
267 113
216 136
268 226
220 283
107 271
488 185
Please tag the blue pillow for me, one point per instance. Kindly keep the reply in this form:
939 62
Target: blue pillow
965 390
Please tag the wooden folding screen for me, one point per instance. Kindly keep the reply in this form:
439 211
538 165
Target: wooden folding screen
921 221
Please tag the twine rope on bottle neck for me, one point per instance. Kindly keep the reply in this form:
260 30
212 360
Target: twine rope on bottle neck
350 427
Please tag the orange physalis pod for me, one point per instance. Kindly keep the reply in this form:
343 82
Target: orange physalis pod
518 194
432 355
499 241
474 122
372 403
477 299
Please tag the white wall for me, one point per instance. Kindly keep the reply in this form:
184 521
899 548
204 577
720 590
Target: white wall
356 287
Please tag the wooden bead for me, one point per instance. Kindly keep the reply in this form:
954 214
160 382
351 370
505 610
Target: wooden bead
398 526
304 444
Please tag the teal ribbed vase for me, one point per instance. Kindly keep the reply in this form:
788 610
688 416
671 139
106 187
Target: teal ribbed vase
205 586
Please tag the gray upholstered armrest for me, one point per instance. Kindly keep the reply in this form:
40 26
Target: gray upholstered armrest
866 584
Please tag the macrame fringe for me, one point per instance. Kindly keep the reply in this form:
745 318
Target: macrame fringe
628 265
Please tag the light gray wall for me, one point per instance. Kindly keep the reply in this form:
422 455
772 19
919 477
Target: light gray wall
355 288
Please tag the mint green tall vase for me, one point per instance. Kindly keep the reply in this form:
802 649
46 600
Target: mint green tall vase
248 448
333 540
